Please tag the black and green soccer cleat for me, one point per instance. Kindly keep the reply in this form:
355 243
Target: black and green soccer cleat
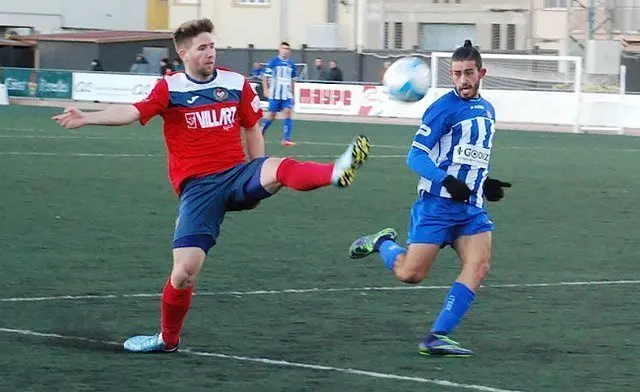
345 167
364 246
442 346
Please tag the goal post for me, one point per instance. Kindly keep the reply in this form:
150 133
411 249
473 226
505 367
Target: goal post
604 94
543 89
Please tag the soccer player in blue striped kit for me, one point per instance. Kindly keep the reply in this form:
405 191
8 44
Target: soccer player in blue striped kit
450 152
278 80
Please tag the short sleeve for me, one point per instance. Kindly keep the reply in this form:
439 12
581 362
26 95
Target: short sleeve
250 106
268 70
155 103
492 112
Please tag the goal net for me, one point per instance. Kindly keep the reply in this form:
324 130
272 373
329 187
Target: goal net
539 89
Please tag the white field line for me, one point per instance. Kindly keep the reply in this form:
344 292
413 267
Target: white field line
275 362
318 290
395 147
118 155
159 139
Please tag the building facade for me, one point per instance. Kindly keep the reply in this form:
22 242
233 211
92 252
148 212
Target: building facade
505 25
370 24
53 16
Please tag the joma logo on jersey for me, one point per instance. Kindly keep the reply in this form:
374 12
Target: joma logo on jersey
212 118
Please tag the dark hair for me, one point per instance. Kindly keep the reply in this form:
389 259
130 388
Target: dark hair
285 43
191 29
467 52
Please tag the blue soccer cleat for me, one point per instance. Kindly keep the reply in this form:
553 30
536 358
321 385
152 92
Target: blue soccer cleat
148 344
442 346
364 246
345 167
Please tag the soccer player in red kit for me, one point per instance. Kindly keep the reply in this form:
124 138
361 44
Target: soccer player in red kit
204 109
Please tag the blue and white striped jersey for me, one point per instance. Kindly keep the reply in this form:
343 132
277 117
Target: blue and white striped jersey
281 74
457 134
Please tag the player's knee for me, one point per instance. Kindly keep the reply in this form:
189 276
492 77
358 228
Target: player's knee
185 272
413 267
269 172
412 279
183 277
410 276
480 269
484 268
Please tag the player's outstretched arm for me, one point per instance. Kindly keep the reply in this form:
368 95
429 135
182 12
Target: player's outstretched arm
255 141
114 115
421 163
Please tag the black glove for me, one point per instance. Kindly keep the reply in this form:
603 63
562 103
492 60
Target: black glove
493 189
459 190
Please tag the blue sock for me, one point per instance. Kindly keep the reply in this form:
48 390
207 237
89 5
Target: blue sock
287 127
265 124
389 251
456 304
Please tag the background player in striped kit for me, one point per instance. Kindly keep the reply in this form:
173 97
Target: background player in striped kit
450 152
278 80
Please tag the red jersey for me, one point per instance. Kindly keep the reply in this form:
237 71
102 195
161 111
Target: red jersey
202 121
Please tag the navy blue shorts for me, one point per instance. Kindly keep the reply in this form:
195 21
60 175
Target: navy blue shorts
205 201
439 220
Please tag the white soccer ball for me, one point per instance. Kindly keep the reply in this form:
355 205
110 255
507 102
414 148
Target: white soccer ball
408 79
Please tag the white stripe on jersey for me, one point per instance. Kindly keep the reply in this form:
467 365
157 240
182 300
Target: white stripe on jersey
421 146
281 82
445 146
229 80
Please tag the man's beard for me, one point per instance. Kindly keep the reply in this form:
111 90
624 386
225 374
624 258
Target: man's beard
474 89
205 72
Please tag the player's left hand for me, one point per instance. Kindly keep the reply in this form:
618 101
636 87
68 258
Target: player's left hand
493 189
71 118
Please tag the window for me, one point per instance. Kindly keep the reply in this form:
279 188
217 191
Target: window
511 36
397 35
555 3
253 2
386 35
332 11
445 36
495 36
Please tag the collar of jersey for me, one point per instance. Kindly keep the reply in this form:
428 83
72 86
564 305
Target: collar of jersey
215 75
470 99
